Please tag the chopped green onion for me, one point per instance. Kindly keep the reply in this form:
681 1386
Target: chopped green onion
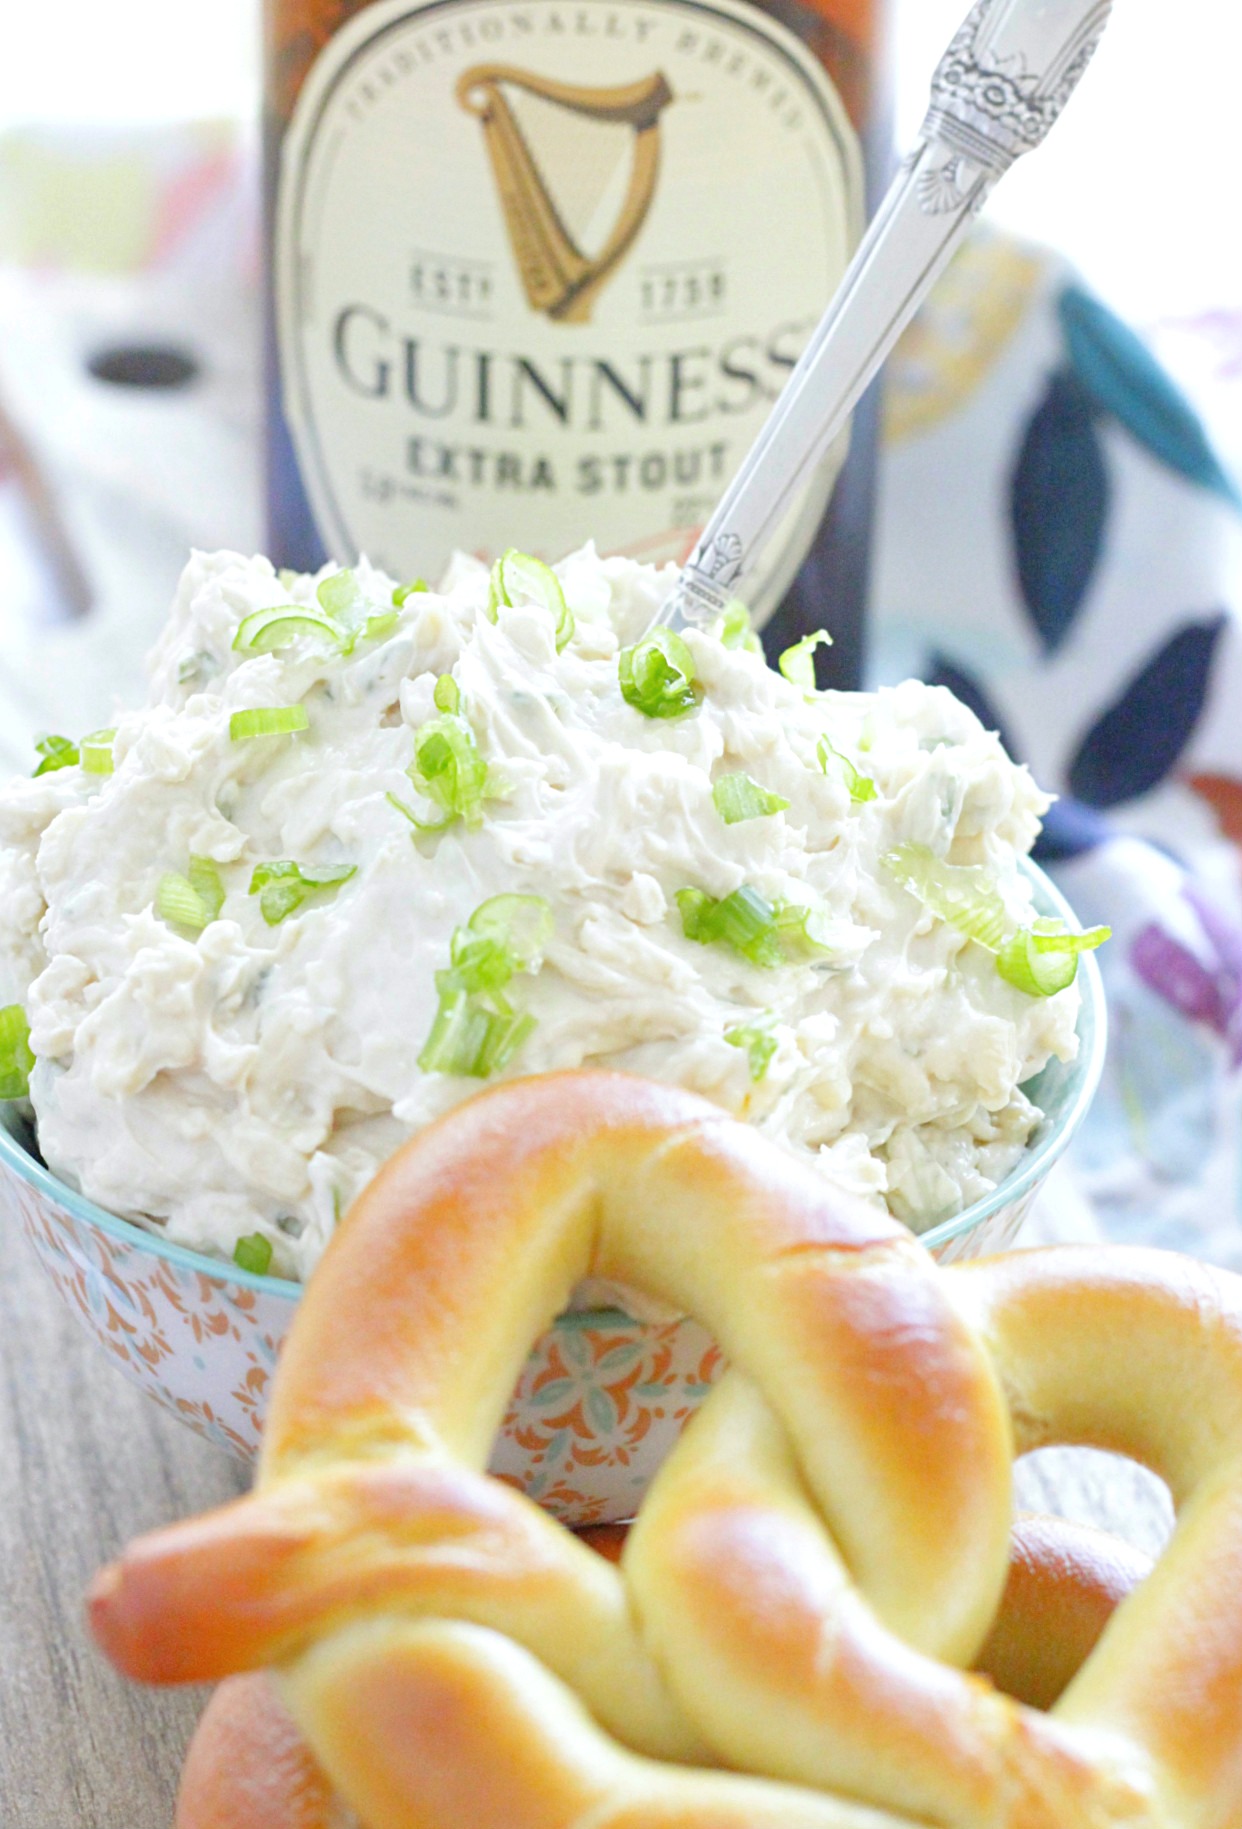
193 900
763 931
403 591
1043 959
340 597
207 884
447 694
448 768
57 752
177 901
268 630
1040 960
470 1040
802 929
735 630
478 964
744 920
798 663
859 786
96 752
458 1036
282 886
657 675
253 1253
965 895
476 1031
737 798
506 934
517 579
268 721
758 1041
16 1059
339 620
522 923
379 628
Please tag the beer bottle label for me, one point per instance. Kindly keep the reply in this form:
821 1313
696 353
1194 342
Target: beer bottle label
542 268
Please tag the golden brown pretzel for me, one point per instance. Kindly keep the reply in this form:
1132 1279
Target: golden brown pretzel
248 1767
826 1544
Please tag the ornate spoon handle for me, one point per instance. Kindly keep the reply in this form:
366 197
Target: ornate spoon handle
997 92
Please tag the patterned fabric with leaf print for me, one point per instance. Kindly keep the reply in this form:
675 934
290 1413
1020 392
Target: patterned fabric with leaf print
1061 544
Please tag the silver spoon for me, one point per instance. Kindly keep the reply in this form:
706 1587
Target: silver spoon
997 92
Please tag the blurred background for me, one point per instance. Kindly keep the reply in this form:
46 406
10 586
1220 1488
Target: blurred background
1058 538
128 202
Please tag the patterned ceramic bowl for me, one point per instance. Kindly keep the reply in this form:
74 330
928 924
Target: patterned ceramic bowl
602 1397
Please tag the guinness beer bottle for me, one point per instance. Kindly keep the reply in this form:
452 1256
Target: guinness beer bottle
539 269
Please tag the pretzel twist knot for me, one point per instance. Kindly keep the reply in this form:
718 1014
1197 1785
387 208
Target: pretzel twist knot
786 1639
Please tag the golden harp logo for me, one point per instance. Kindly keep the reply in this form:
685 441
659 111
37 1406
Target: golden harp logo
552 240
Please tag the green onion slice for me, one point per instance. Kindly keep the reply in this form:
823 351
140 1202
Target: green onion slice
177 901
476 1031
478 964
283 886
860 787
1043 959
340 597
16 1059
468 1039
266 631
379 628
798 663
207 884
193 900
759 1042
268 721
657 675
735 629
253 1253
449 770
965 895
96 750
744 920
803 930
1040 960
505 935
521 923
404 591
339 620
447 694
518 579
737 798
766 932
57 752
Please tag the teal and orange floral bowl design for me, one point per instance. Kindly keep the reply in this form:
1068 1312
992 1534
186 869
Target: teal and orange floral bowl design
602 1397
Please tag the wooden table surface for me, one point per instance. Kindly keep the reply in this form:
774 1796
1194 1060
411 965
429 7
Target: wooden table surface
87 1460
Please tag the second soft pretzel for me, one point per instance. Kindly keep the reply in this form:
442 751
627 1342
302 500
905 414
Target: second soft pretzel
819 1557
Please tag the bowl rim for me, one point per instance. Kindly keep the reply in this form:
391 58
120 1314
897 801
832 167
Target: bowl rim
1038 1159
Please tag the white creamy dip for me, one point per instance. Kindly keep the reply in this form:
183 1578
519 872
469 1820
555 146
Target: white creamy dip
250 1078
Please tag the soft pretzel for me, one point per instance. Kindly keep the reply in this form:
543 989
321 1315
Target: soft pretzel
249 1768
822 1552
